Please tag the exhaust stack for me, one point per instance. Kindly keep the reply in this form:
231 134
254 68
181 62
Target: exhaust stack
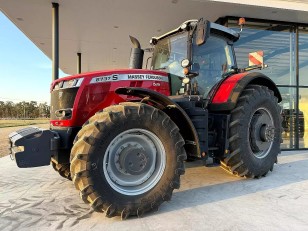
136 54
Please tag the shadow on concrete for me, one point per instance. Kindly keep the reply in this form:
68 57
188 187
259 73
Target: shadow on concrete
232 187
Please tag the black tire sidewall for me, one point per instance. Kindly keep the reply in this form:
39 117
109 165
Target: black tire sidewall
102 141
258 165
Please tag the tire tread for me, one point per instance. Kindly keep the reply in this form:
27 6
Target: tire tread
234 162
80 168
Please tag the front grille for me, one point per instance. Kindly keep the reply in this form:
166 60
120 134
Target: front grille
62 99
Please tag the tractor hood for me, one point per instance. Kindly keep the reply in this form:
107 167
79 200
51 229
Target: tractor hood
109 76
74 99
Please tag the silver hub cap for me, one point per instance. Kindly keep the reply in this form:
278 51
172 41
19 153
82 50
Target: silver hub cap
261 133
134 162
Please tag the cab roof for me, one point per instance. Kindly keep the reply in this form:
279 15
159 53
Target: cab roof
214 28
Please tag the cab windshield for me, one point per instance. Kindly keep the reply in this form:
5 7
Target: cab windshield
210 61
169 52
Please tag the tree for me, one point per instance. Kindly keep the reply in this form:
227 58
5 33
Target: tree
44 110
9 109
24 110
2 108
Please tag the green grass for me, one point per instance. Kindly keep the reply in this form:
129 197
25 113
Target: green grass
16 123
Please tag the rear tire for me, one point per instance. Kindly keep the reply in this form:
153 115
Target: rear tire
128 159
255 133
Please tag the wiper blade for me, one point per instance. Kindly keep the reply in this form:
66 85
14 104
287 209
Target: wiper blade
161 68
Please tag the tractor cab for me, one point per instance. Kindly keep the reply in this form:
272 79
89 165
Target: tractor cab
197 54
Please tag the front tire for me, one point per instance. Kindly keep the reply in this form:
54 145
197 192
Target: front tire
62 169
127 159
255 133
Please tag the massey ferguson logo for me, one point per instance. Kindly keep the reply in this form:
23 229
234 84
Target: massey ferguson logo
123 77
146 77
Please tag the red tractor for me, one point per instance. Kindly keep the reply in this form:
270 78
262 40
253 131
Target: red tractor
122 136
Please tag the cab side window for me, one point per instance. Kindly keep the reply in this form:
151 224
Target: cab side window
214 58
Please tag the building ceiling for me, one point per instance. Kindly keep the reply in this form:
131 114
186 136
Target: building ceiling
99 29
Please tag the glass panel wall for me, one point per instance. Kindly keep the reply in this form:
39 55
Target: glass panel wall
288 105
278 42
303 118
278 45
303 56
303 87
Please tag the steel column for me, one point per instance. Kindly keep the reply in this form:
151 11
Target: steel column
55 41
78 63
297 88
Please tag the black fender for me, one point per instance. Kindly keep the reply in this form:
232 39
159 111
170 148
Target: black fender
225 95
172 109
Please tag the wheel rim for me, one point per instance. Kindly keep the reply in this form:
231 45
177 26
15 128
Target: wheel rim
261 133
134 162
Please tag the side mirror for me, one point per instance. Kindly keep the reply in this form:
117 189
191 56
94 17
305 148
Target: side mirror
203 31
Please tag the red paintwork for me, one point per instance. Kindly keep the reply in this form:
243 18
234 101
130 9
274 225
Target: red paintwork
91 98
226 88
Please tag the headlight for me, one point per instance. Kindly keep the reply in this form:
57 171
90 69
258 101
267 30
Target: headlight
185 63
68 84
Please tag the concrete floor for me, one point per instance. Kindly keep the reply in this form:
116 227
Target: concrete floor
209 199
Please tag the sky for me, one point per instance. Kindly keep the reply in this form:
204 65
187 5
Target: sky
25 71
